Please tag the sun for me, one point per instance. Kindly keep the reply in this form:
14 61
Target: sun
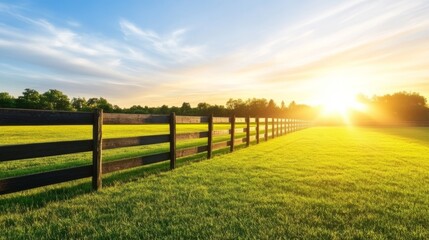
338 96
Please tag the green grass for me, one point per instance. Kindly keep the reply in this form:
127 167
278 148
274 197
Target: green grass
37 134
319 183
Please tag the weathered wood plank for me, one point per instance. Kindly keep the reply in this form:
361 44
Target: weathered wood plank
250 129
240 141
192 119
9 117
240 130
183 136
123 118
221 120
16 184
35 150
221 132
240 120
134 141
134 162
190 151
220 145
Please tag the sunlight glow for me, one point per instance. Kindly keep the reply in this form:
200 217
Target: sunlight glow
338 96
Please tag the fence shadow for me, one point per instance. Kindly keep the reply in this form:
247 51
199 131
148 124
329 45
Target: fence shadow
33 199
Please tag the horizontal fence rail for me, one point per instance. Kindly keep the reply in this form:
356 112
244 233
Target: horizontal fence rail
254 129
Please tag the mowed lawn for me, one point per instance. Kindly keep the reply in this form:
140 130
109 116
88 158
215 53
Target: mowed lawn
318 183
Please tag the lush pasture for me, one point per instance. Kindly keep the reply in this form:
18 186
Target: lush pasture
317 183
36 134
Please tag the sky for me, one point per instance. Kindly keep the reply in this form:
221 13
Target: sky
168 52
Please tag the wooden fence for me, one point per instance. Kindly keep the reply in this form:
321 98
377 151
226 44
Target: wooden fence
14 117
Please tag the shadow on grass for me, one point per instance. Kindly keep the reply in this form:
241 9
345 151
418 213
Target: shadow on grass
29 200
420 134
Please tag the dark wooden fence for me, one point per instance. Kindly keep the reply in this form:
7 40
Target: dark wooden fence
14 117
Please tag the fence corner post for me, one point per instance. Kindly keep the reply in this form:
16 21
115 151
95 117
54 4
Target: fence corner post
231 147
210 138
97 160
172 140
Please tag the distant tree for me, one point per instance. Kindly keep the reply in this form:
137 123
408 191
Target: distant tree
272 108
237 106
138 109
257 107
164 109
401 106
55 100
99 103
185 108
30 99
301 111
117 109
6 100
79 104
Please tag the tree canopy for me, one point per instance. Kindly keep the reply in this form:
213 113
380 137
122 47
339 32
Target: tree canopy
399 106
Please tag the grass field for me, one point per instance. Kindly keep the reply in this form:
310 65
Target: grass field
320 183
37 134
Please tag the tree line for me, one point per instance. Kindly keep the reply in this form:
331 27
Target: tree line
398 106
56 100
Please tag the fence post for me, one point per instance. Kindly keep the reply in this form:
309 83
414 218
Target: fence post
257 130
97 138
277 128
266 129
210 138
283 126
172 140
247 131
231 147
273 128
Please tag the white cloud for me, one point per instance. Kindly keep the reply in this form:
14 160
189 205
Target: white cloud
381 40
170 47
65 53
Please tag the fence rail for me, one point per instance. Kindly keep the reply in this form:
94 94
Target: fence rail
271 127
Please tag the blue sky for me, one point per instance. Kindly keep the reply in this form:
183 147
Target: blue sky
167 52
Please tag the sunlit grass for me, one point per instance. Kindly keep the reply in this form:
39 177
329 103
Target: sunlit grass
37 134
320 183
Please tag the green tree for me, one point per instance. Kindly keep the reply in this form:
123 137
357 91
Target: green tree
185 108
6 100
99 103
55 100
30 99
79 104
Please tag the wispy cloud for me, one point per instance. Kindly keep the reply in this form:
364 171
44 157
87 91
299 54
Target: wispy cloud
65 53
170 47
382 45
